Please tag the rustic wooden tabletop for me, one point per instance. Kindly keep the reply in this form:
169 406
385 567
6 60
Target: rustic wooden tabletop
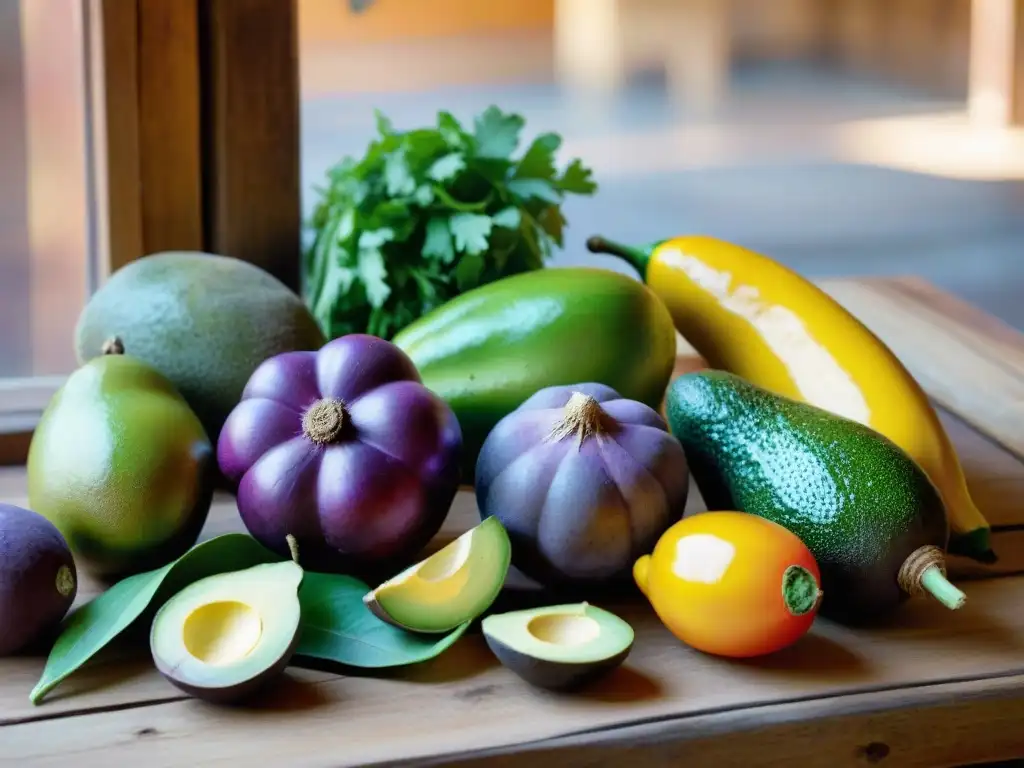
932 688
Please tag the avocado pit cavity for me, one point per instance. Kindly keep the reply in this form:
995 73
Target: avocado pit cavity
447 561
222 632
564 629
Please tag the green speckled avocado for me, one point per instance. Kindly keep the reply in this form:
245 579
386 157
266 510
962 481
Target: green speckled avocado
203 320
865 509
490 348
122 467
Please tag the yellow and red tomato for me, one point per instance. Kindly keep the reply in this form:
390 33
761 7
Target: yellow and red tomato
731 584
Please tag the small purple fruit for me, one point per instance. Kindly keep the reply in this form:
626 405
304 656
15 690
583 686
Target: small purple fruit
38 579
344 449
584 481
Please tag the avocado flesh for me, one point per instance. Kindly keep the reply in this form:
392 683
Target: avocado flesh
454 585
858 501
559 647
224 636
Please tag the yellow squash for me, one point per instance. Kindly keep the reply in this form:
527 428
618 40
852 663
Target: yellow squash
748 314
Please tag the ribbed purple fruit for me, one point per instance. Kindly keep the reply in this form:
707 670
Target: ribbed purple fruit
38 579
584 481
344 449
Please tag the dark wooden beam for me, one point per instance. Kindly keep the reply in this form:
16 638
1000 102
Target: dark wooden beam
250 80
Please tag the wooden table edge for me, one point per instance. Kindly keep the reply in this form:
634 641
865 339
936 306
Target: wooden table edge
751 727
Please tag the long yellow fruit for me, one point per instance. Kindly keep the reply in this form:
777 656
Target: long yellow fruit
748 314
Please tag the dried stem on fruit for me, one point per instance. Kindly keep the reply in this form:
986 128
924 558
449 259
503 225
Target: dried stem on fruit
583 417
113 346
293 548
325 420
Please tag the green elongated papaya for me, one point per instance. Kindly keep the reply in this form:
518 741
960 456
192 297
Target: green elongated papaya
489 349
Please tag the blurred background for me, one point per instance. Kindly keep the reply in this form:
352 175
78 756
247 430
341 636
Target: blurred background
842 137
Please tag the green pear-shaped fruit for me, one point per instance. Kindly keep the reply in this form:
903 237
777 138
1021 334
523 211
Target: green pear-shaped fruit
122 466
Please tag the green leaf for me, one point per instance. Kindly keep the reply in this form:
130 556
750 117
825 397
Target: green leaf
445 191
375 238
553 222
534 188
538 161
338 627
398 178
497 133
470 231
451 130
424 195
438 241
468 271
448 167
577 179
92 626
508 218
384 126
373 273
336 285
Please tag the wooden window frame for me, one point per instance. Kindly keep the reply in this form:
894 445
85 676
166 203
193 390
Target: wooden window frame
193 113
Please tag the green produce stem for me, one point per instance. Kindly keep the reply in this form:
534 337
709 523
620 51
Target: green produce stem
637 257
935 583
925 571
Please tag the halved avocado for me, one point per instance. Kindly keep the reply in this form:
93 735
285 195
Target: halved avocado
559 647
454 585
223 637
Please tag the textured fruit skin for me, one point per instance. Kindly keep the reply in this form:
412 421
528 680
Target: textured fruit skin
742 613
203 320
856 499
748 314
580 514
489 349
370 499
38 579
122 466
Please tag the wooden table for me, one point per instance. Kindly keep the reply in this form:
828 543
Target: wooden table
933 688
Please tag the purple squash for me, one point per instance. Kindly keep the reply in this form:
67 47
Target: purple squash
346 450
38 578
584 481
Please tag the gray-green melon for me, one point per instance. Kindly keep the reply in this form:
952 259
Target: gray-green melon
203 320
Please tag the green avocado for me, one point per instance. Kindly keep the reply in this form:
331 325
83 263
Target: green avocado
559 647
202 320
454 585
489 349
867 512
121 466
225 637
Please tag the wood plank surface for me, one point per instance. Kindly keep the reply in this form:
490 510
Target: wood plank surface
932 687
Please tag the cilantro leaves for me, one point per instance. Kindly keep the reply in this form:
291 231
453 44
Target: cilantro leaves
429 213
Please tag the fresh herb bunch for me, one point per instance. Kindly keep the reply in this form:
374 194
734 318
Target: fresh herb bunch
427 214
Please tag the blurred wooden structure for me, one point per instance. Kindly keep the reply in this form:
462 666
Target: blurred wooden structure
968 49
601 43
